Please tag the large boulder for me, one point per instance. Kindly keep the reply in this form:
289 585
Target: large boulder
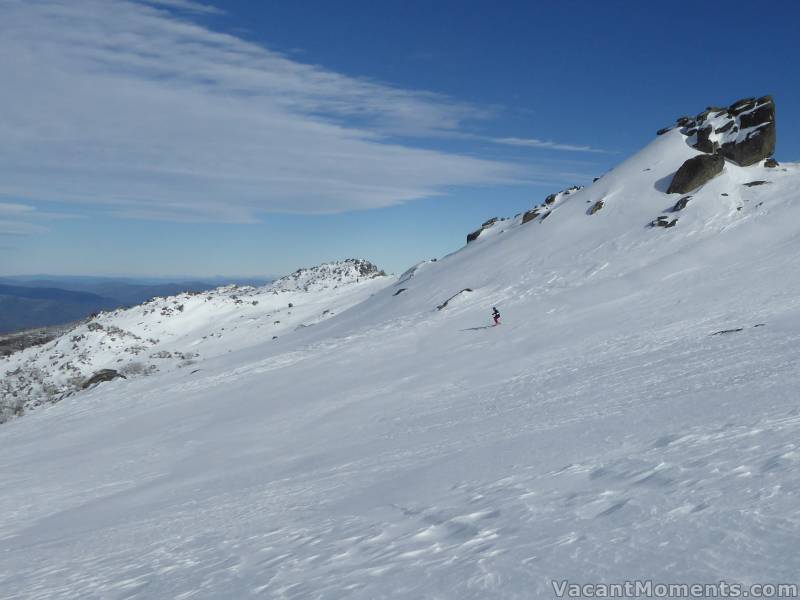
695 172
753 148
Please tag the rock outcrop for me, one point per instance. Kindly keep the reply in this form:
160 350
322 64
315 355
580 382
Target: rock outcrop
101 376
681 204
744 132
595 207
530 215
695 172
471 237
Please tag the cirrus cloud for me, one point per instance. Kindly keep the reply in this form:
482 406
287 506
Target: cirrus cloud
133 109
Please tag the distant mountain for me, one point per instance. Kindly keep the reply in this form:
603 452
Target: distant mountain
42 300
28 307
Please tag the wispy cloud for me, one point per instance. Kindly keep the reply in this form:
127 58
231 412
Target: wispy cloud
129 107
534 143
187 5
24 219
11 227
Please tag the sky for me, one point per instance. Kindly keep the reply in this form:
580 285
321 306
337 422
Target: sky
239 138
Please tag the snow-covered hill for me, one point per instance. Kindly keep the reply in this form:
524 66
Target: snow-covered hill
635 417
182 331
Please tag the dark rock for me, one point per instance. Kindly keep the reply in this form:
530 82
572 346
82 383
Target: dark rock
723 194
696 172
663 221
685 122
485 225
544 216
471 237
550 199
771 163
595 179
530 215
681 204
444 304
729 125
757 116
726 331
595 207
755 183
765 113
664 130
101 376
742 105
400 291
704 144
757 146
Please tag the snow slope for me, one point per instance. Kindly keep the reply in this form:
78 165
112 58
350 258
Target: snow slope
181 331
395 450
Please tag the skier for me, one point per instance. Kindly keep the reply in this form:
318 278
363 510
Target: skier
496 315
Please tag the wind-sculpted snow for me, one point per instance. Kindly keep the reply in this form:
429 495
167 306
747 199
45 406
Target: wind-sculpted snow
602 433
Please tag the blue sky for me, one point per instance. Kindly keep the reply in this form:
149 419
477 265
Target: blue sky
174 138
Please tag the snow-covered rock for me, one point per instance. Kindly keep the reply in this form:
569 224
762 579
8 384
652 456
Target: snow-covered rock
181 331
744 132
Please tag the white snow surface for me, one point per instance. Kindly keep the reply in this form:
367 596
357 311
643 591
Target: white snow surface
601 434
181 331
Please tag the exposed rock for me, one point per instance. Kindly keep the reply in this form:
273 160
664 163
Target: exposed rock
101 376
681 204
530 215
664 130
471 237
755 183
742 105
771 163
444 304
663 221
743 133
595 207
727 127
696 172
704 142
755 147
726 331
400 291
